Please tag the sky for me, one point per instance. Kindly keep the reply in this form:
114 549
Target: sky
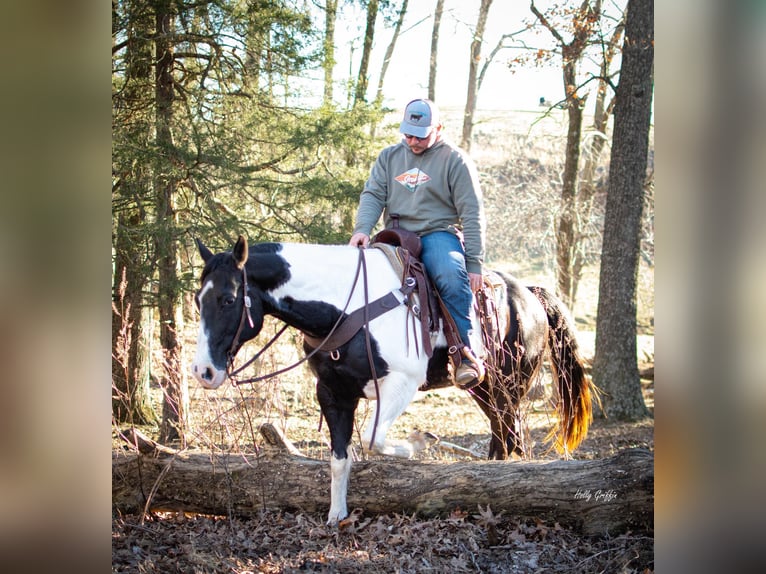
407 75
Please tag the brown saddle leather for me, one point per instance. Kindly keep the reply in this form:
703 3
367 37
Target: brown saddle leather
431 307
403 238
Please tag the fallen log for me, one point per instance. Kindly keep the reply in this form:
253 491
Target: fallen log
595 497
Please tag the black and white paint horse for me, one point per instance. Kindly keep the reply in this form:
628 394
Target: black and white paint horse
309 286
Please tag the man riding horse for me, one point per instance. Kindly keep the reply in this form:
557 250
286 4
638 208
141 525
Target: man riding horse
432 186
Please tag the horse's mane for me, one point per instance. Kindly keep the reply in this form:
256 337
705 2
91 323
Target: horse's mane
223 257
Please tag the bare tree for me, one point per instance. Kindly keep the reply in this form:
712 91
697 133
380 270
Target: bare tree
615 368
473 73
390 50
331 13
592 150
369 35
584 22
434 50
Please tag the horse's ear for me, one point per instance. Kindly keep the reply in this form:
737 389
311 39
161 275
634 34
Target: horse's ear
240 252
203 251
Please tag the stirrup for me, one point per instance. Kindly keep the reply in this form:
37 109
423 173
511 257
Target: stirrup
472 368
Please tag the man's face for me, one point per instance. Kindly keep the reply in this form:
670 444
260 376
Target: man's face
419 145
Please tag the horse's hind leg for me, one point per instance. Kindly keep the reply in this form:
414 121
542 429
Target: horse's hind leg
501 409
495 407
396 393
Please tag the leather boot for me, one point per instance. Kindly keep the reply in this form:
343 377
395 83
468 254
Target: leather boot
470 372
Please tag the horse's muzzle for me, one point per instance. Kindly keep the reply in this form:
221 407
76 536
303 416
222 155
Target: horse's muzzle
208 376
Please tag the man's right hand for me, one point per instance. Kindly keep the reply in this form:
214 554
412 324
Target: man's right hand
359 240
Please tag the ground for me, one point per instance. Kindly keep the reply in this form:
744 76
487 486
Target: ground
287 542
470 540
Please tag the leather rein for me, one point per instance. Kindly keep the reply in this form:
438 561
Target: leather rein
344 328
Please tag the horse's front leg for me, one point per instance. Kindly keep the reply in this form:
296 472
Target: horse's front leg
340 469
396 392
339 414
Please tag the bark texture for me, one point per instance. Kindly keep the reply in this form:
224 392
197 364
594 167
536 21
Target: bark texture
596 497
615 366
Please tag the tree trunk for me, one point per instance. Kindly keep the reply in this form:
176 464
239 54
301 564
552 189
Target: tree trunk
131 332
569 227
588 180
568 224
173 380
596 497
473 74
369 35
131 319
615 366
434 50
390 51
331 12
254 50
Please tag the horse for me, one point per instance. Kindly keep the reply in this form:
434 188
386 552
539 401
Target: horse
313 287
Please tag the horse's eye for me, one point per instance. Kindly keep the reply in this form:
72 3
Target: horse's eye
228 300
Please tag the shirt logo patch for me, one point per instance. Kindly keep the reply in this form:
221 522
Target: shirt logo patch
412 178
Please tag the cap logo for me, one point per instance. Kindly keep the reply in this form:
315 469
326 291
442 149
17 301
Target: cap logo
415 117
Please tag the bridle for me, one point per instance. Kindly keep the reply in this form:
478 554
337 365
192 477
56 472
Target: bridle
246 316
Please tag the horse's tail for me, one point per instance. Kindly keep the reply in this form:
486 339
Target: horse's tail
575 389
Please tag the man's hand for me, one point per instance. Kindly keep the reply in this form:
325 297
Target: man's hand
477 281
359 240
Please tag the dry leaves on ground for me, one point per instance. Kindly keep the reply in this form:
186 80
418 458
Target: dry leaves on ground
283 542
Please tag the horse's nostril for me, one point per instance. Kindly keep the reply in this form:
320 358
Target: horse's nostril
194 368
208 374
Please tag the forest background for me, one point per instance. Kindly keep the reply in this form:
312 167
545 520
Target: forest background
263 118
56 139
237 117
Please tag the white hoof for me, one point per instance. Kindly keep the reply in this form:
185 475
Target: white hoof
336 516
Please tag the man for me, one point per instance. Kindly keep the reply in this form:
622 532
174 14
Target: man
434 188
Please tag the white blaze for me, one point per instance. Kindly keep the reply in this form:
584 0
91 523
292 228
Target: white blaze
202 368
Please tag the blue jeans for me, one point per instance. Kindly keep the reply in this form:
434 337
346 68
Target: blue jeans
444 260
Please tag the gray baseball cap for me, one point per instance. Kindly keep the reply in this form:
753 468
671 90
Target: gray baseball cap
419 117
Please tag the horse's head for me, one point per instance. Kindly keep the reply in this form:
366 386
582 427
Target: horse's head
224 321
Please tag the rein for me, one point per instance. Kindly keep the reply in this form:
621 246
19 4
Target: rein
246 314
361 266
369 353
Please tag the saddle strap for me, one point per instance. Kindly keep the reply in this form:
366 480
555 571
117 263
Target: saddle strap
428 312
454 341
427 309
356 319
489 319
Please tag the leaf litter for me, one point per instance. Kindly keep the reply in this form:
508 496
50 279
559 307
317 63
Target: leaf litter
281 542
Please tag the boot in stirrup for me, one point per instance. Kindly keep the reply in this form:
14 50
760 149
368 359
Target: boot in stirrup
470 372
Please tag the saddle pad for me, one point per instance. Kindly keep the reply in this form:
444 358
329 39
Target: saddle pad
392 252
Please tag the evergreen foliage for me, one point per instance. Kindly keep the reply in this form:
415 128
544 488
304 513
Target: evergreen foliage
215 134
